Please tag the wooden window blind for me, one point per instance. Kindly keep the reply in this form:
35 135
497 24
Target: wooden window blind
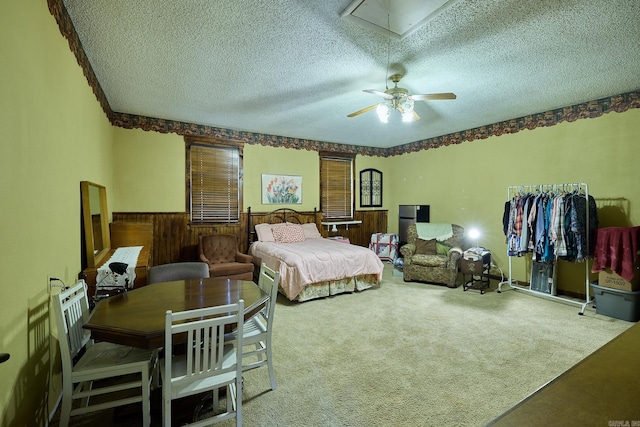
214 181
336 185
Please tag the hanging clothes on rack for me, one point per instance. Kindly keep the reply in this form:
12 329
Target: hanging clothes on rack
550 221
551 224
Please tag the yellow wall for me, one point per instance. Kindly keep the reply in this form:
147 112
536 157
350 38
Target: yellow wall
464 183
150 169
467 183
148 172
280 161
53 134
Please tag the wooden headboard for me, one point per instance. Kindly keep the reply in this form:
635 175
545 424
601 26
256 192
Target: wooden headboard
277 216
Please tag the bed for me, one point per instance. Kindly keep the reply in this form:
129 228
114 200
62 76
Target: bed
310 266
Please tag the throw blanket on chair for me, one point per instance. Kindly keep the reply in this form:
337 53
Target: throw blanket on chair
430 230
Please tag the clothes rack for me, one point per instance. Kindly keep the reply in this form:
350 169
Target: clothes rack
582 188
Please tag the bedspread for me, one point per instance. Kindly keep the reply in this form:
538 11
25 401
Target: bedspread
314 261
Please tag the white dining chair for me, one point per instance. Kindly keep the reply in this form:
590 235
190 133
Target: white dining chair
208 363
257 330
126 371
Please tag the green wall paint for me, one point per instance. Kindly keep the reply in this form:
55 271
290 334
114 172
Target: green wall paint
150 169
149 172
464 183
259 159
467 183
53 135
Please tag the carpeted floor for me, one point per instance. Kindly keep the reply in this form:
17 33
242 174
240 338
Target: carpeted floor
408 354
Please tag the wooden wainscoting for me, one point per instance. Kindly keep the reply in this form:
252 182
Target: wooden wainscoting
374 221
175 240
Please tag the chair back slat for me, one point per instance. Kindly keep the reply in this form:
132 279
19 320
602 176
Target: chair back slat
204 329
71 311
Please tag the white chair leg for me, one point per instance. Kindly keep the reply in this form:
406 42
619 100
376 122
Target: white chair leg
231 397
258 348
166 410
85 386
146 398
237 400
65 410
216 400
272 375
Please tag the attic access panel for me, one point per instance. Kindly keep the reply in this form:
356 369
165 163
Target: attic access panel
405 16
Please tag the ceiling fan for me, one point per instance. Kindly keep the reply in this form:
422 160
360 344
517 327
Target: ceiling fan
399 99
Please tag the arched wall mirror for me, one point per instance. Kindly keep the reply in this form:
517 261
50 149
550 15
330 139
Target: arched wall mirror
95 220
370 188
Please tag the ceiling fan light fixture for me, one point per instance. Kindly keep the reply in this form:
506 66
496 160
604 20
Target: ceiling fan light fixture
405 106
407 116
383 110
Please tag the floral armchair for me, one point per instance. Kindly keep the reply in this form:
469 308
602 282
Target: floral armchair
439 265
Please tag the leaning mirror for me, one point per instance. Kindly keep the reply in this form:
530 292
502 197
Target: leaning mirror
95 222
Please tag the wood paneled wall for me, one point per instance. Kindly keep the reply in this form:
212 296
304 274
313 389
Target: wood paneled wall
175 240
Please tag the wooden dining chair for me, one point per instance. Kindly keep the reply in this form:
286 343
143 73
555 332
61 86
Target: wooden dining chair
126 371
209 361
257 330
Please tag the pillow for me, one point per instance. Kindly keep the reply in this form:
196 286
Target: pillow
442 249
264 233
426 247
311 231
288 234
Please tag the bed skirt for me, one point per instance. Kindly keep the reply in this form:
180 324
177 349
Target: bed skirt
334 287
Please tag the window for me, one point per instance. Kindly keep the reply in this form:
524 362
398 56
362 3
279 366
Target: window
336 185
370 188
214 180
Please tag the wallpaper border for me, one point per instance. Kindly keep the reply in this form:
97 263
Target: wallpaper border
590 109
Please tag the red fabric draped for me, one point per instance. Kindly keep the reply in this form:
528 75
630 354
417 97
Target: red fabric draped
616 248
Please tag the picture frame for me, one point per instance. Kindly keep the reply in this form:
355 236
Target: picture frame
281 189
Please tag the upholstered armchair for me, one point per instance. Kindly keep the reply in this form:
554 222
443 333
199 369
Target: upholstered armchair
225 261
424 261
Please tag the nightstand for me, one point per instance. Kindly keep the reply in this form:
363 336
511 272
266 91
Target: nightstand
478 270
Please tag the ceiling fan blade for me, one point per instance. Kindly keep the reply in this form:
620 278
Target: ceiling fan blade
364 110
379 93
432 96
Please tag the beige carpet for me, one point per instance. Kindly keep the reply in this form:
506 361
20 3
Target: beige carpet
412 354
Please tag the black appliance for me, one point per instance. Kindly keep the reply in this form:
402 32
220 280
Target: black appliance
410 214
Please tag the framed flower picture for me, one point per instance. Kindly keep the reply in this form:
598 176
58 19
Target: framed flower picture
281 189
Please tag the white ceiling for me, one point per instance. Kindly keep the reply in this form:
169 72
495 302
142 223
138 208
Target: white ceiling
295 68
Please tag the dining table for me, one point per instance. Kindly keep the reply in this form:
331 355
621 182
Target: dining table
137 318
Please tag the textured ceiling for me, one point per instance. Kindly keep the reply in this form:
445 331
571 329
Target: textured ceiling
295 68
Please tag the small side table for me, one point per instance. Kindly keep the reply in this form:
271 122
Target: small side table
479 272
